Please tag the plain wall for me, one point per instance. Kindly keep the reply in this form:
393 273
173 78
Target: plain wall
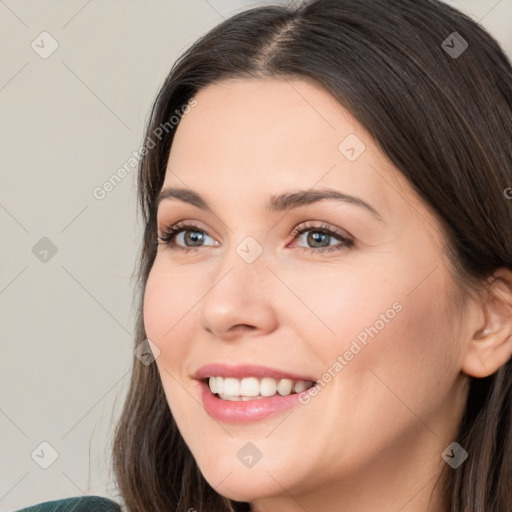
68 122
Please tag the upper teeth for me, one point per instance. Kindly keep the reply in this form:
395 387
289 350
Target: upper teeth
229 387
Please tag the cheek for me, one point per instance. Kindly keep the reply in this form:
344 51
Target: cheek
168 311
383 325
389 364
349 309
408 359
156 294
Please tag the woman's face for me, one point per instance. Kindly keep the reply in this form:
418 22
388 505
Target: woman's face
363 309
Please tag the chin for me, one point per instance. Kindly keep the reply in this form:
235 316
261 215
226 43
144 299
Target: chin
243 486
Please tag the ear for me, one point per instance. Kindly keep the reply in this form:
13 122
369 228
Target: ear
491 344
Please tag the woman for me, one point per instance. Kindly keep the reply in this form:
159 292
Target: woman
372 373
326 274
369 373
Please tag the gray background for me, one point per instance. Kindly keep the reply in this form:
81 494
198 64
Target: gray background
67 123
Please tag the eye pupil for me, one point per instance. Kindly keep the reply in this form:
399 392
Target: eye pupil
315 235
193 237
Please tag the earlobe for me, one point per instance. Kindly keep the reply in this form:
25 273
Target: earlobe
491 345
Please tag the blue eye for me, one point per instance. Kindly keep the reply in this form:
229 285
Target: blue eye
195 236
319 234
172 232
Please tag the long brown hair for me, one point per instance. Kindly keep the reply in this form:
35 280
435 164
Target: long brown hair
441 111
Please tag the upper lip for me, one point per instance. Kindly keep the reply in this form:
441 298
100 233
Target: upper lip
246 370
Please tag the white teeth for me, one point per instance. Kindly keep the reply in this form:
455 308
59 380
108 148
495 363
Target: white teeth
212 382
229 397
251 388
268 386
285 386
300 386
231 386
239 398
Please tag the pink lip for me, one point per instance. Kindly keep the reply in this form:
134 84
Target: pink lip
245 412
246 370
251 410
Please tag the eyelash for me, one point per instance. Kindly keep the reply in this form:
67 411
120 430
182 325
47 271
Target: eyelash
171 232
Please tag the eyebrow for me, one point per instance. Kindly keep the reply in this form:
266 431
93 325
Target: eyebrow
276 203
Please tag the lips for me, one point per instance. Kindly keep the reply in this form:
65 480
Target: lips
241 410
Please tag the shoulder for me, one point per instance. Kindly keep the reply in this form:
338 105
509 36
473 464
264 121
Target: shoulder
79 504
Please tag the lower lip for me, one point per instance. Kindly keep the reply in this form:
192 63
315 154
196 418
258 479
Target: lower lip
245 412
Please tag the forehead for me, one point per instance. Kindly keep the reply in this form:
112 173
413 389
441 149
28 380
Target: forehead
247 138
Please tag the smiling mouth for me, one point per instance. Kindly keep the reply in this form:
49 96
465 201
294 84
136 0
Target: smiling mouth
254 388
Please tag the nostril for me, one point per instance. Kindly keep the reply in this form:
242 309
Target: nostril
243 327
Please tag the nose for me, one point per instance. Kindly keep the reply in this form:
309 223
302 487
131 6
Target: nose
239 299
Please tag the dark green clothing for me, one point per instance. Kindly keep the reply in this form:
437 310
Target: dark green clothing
79 504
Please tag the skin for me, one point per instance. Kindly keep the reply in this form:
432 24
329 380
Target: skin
372 438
